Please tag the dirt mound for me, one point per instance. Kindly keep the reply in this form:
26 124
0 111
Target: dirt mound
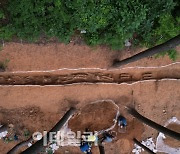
171 141
96 116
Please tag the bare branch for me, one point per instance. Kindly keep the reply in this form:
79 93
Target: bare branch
154 125
170 44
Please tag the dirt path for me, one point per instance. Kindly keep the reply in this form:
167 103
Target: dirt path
34 57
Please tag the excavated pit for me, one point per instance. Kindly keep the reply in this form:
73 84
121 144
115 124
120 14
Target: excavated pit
91 117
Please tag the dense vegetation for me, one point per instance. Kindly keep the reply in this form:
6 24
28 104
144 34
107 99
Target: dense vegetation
3 65
144 22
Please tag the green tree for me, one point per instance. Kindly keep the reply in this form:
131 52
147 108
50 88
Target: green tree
105 21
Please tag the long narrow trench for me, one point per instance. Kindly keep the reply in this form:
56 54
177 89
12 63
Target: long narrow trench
90 76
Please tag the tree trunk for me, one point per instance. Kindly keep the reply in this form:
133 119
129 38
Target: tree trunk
154 125
143 146
15 149
101 149
170 44
37 147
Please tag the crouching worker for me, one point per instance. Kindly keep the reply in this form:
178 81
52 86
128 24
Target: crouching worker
87 142
86 147
122 124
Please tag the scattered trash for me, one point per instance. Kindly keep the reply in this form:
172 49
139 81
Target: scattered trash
64 140
160 145
148 143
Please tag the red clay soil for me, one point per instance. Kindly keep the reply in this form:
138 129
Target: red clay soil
151 99
124 141
38 108
28 57
94 117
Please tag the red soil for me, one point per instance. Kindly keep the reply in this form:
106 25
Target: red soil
40 107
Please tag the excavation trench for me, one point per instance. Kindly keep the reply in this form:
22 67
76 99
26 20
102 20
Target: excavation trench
63 77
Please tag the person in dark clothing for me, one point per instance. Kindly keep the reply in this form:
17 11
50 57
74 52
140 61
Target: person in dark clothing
85 147
107 137
122 123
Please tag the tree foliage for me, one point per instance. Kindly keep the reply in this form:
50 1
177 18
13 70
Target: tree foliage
105 21
168 27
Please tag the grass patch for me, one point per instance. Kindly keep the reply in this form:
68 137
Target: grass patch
4 65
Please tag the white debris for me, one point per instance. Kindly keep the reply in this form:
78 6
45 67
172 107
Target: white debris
137 149
54 147
172 120
161 146
83 31
65 139
148 143
127 43
3 134
164 111
29 144
63 135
